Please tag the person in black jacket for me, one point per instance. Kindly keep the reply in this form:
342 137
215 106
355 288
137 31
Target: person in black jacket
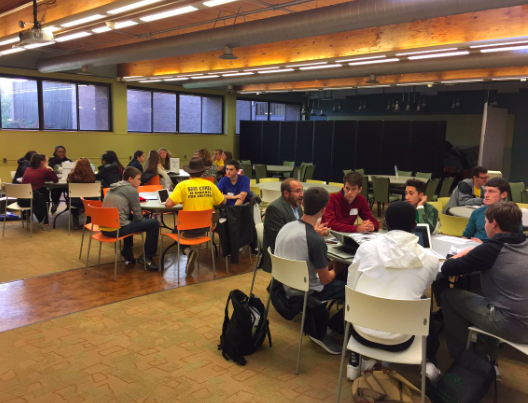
23 164
137 160
59 156
108 172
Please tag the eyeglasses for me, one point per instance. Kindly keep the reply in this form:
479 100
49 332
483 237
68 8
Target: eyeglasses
484 177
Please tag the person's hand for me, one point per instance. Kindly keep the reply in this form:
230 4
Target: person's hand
240 196
476 240
49 168
322 229
366 226
423 200
462 253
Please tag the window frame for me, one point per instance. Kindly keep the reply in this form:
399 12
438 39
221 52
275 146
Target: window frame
177 93
40 98
269 102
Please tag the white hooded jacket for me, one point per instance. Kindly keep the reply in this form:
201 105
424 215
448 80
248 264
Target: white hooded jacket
392 266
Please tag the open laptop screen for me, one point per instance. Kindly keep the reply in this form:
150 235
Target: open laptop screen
163 195
423 234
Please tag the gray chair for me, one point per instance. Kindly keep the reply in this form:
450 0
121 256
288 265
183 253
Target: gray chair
297 173
247 169
360 171
404 173
245 162
308 172
260 172
365 192
446 187
430 188
424 175
346 171
516 189
380 188
288 164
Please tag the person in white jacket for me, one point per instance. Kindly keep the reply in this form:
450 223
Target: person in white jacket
392 265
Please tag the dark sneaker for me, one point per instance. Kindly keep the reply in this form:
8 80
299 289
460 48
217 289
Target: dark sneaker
328 344
191 262
128 255
149 263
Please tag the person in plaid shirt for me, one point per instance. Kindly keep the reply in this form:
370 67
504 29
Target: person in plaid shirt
39 172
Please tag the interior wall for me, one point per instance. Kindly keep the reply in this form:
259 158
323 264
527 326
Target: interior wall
14 144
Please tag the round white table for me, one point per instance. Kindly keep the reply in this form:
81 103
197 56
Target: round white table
397 180
276 186
280 169
465 211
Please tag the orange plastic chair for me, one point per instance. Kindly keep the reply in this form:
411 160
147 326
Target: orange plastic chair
105 190
109 217
188 220
155 180
88 204
149 188
210 179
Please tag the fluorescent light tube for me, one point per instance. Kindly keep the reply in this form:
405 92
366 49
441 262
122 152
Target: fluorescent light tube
306 90
224 72
202 77
10 51
177 79
434 55
374 62
64 38
408 84
170 13
10 41
127 77
189 75
275 71
426 51
337 88
100 30
213 3
306 64
328 66
361 58
237 74
51 29
132 6
84 20
263 68
38 45
150 81
504 49
463 81
497 44
124 24
508 79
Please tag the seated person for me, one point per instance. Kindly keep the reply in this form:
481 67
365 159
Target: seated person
346 205
124 196
217 158
393 266
81 173
196 194
425 212
115 159
233 186
39 172
165 157
469 192
298 240
59 156
109 172
285 209
501 261
154 167
210 168
23 164
497 189
137 160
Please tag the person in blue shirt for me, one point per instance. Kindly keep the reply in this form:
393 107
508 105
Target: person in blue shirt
235 187
497 190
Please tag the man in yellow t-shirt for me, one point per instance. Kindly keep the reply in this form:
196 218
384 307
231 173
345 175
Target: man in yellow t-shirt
219 162
195 194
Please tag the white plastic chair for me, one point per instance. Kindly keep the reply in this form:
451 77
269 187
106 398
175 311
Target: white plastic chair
260 243
523 348
387 315
81 190
294 274
269 196
13 173
19 192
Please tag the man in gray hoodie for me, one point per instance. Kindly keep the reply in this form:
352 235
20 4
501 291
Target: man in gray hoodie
469 192
124 196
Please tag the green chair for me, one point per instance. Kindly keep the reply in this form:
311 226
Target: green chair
516 189
369 196
430 188
424 175
308 172
524 196
297 173
346 171
245 162
404 173
380 187
260 171
247 169
446 187
360 171
288 164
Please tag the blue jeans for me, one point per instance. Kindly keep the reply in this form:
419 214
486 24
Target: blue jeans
150 226
334 290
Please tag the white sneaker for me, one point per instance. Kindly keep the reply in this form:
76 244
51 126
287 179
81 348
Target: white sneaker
354 373
432 373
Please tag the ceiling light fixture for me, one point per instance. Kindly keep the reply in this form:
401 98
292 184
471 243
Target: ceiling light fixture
473 80
426 51
237 74
213 3
228 54
375 86
263 68
38 45
64 38
510 48
10 51
121 24
176 79
51 29
189 75
276 71
132 6
150 81
167 14
10 41
328 66
409 84
434 55
100 30
129 77
306 90
84 20
276 91
508 78
497 44
224 72
202 77
337 88
305 64
374 62
361 58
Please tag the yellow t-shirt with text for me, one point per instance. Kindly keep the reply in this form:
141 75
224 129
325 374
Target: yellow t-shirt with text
197 194
219 163
477 192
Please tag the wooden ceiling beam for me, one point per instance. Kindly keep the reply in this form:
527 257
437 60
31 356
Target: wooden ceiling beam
54 12
483 25
393 79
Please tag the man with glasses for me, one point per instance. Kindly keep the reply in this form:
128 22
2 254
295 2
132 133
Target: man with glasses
469 192
285 209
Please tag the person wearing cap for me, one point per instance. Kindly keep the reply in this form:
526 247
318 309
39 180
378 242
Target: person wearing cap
195 194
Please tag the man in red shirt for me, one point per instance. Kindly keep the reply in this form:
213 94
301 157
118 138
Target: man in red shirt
346 205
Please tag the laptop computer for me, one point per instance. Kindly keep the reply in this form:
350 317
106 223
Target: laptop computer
347 246
163 195
424 235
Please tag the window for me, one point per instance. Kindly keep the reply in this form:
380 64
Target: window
171 112
93 107
264 110
19 103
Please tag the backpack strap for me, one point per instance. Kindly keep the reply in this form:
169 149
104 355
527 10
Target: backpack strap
224 326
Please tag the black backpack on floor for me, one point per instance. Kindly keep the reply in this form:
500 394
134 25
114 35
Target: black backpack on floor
246 330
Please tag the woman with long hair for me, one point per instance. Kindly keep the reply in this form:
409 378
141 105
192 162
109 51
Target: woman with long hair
109 171
59 156
165 157
23 164
39 172
81 173
137 160
210 167
116 160
153 167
